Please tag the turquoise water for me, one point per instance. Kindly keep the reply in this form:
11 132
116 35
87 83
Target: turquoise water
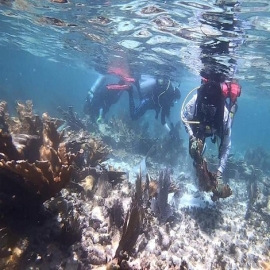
50 52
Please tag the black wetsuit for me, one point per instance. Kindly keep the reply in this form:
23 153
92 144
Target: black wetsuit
159 98
103 98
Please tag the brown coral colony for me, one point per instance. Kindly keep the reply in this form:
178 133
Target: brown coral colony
36 159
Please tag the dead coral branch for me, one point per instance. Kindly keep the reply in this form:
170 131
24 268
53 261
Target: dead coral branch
207 179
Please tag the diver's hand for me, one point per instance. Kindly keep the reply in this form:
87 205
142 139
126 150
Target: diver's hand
193 146
192 139
219 177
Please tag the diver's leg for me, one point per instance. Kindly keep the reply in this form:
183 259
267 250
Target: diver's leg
100 116
131 104
136 113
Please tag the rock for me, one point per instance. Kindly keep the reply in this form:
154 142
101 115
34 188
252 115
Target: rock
60 205
97 214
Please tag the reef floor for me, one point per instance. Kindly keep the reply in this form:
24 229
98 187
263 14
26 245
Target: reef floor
206 235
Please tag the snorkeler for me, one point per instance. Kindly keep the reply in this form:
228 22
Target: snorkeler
155 94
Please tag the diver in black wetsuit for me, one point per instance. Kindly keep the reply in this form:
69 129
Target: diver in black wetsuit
155 94
105 92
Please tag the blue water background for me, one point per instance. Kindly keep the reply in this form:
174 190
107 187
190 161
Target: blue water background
49 85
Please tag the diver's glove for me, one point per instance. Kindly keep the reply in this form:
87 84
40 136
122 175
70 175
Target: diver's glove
193 146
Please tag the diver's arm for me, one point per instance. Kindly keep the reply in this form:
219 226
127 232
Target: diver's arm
163 119
165 113
226 144
224 151
188 114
